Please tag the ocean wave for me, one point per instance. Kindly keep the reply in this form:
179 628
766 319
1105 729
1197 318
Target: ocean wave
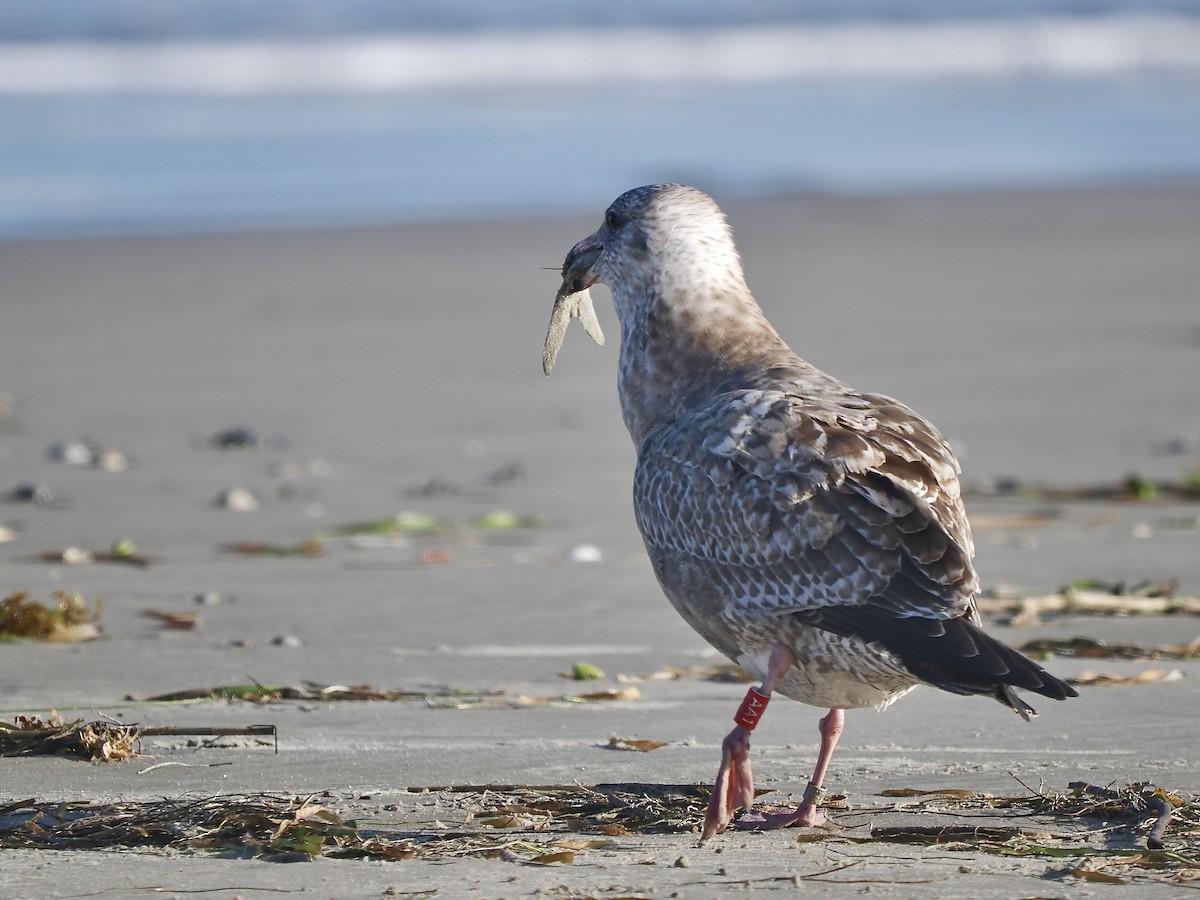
485 60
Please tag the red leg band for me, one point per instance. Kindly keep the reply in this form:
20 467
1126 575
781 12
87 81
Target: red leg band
752 708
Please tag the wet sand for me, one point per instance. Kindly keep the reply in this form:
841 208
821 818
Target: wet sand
1054 337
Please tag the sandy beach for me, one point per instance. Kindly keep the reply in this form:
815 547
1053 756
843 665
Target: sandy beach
1054 337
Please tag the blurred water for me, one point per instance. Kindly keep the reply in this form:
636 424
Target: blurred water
129 116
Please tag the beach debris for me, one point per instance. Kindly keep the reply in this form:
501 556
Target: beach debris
1108 679
101 741
179 621
584 553
208 598
1083 597
237 499
727 673
1137 809
1134 487
97 741
1090 648
407 522
583 671
290 641
87 452
123 551
504 520
104 741
433 696
520 823
569 306
310 548
68 621
635 744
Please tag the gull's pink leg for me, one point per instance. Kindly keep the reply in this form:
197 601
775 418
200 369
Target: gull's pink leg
735 784
809 814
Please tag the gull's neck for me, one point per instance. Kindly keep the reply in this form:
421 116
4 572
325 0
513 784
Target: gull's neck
680 345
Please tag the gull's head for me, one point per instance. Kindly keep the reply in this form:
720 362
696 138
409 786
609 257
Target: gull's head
653 237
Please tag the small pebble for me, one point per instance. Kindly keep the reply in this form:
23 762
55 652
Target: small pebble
7 534
585 553
683 863
33 493
207 598
287 640
1143 530
111 461
238 499
72 453
235 438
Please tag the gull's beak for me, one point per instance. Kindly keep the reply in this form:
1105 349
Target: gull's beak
577 271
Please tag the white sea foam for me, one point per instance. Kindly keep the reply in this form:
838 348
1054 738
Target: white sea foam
987 49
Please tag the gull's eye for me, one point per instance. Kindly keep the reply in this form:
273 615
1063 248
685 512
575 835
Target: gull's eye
613 219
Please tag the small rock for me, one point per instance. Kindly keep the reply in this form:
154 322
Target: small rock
207 598
77 556
585 553
238 499
72 453
683 863
286 640
7 534
111 461
33 493
235 439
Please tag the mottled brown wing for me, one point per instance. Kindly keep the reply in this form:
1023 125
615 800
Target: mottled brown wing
846 507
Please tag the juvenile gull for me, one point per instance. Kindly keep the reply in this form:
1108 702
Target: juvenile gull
811 533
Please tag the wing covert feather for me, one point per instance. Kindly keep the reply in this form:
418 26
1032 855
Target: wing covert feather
790 505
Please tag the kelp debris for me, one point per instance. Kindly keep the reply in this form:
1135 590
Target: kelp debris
1090 648
180 621
97 741
436 697
310 548
69 621
1134 487
1158 599
1110 679
123 552
1131 811
635 744
265 826
724 673
102 741
555 822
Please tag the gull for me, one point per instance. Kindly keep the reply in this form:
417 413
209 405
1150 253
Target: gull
811 533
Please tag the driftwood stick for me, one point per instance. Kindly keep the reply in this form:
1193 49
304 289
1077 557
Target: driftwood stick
209 731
